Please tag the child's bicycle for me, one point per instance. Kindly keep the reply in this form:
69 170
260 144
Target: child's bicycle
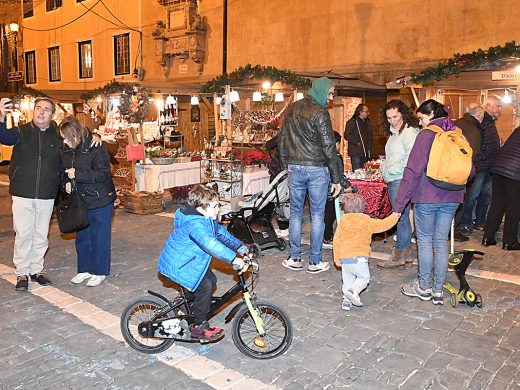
260 329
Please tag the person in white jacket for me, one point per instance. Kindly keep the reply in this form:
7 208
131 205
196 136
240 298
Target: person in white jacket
399 123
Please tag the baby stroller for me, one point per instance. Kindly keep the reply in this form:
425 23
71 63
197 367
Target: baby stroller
252 223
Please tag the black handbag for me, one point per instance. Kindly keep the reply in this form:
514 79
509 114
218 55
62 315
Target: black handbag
71 211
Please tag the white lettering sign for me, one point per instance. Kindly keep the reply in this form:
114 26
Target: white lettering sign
505 75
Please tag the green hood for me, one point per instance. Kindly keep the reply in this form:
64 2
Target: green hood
320 90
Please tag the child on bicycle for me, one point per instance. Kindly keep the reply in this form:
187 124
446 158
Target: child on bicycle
188 251
351 246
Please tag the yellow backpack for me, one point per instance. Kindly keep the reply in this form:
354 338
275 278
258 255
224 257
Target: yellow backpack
449 165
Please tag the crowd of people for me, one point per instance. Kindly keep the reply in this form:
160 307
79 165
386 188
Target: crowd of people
305 147
47 157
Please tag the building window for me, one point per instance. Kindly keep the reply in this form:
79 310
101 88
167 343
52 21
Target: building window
28 8
30 67
122 54
53 4
85 59
54 64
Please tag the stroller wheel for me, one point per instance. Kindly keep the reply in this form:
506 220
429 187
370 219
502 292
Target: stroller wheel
281 243
255 250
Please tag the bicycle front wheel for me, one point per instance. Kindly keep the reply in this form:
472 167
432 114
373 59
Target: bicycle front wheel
144 309
278 331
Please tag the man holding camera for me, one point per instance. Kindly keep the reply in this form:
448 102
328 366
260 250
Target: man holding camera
34 180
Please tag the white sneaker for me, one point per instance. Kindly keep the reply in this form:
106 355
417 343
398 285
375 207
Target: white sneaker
346 304
81 277
413 240
295 265
317 268
354 298
95 280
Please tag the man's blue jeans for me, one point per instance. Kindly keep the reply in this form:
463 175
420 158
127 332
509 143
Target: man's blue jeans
481 190
432 225
315 180
404 226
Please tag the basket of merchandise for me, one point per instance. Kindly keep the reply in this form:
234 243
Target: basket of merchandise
162 156
142 202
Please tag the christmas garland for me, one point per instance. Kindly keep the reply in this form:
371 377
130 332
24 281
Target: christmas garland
492 58
134 99
28 91
250 72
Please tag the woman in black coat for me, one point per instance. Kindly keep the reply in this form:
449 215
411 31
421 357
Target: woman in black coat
506 192
90 168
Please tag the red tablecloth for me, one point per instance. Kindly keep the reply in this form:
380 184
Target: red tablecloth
377 203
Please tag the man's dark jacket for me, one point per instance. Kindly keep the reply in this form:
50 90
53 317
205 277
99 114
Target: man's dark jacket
92 171
34 167
472 130
507 162
490 144
352 135
307 138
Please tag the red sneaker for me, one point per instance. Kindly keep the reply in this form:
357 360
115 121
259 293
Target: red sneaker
205 332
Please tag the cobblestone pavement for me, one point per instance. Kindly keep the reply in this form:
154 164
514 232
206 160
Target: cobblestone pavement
67 337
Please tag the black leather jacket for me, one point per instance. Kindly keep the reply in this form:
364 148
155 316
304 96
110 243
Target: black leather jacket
307 138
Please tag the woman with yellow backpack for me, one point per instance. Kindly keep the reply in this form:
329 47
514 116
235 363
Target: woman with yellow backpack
435 198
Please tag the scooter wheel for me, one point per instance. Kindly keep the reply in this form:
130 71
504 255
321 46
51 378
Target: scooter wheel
454 259
469 296
478 302
454 299
281 243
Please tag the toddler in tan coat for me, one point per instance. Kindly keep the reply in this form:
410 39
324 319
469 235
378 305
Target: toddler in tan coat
351 246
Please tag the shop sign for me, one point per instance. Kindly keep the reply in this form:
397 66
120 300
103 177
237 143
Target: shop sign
505 75
15 76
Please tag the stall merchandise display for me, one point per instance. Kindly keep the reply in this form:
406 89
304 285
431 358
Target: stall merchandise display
370 172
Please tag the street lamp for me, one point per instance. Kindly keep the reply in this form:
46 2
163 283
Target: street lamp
14 29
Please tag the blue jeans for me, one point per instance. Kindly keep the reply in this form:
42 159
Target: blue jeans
432 225
404 226
93 242
480 190
316 181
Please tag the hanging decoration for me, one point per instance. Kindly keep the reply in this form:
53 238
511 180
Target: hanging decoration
492 58
258 117
249 72
134 99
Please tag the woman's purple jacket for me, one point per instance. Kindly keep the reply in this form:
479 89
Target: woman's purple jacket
415 186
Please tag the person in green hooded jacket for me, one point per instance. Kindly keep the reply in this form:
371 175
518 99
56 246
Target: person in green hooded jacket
307 149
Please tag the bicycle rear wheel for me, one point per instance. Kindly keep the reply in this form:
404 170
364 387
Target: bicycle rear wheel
278 331
144 309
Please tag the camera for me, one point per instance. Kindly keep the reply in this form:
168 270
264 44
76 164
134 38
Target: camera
16 103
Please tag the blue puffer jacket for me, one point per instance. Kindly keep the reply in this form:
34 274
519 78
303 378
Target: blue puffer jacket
194 241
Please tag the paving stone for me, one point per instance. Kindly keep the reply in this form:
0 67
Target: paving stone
481 379
419 379
453 379
461 343
323 360
399 364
